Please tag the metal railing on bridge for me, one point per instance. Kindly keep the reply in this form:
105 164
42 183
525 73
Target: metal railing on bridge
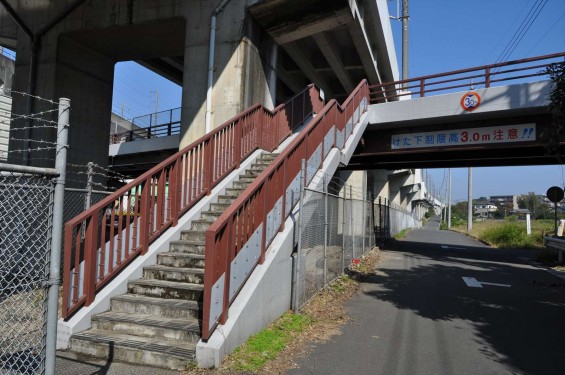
154 125
477 77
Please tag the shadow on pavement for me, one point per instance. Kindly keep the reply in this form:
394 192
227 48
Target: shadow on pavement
522 326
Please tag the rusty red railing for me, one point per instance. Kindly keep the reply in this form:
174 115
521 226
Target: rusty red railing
236 242
100 242
480 76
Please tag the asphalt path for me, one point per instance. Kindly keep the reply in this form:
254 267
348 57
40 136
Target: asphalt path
417 315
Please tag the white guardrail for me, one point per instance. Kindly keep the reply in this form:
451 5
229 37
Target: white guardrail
557 244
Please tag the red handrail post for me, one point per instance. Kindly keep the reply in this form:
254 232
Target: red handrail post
175 188
487 76
208 165
227 254
90 252
263 212
67 268
422 87
237 144
145 213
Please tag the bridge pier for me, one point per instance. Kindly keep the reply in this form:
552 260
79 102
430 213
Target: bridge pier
75 58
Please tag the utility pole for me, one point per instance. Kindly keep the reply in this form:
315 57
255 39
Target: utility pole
405 41
156 92
470 201
449 199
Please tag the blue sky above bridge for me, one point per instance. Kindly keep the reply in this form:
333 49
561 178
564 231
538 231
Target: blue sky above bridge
447 35
444 35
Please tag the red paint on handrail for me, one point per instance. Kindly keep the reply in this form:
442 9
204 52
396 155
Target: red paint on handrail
122 226
235 226
486 74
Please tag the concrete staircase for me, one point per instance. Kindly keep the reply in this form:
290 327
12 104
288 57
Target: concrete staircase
158 321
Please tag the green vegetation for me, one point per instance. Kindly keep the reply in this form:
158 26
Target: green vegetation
265 345
340 285
401 234
509 233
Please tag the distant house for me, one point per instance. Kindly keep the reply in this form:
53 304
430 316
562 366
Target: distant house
505 202
484 210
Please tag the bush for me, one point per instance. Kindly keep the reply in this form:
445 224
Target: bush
510 234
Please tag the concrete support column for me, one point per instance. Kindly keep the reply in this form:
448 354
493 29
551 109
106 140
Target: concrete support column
65 69
244 68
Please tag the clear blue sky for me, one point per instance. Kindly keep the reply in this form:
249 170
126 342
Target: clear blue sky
444 35
448 35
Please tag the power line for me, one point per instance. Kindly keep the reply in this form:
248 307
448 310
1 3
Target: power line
522 30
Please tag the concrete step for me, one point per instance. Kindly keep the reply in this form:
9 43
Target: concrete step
201 224
193 235
185 246
258 166
182 330
246 179
182 260
264 162
226 199
251 173
233 192
241 184
139 350
210 215
218 207
156 307
166 289
183 275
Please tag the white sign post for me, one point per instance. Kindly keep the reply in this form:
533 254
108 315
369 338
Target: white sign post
528 225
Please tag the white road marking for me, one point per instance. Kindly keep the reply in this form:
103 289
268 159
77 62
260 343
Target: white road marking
474 283
496 284
452 247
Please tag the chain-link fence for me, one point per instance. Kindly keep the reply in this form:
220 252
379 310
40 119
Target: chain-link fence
332 232
26 206
391 219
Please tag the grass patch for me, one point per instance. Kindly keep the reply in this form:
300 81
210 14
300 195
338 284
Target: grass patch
401 234
508 234
265 345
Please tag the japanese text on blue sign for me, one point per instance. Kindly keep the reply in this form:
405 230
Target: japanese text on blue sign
463 137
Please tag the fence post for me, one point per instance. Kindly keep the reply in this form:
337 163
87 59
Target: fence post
351 224
299 235
363 229
56 236
325 231
89 174
343 230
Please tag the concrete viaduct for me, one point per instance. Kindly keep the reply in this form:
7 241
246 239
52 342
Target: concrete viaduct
227 55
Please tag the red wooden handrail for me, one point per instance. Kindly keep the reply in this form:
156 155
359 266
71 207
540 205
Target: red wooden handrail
255 217
426 84
103 240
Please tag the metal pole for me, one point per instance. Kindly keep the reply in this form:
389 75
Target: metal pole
404 41
470 201
57 236
90 173
343 230
299 244
449 199
363 222
325 232
351 226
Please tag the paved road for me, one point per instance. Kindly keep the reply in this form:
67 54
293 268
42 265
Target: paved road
418 316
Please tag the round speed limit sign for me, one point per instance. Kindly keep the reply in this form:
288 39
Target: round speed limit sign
470 101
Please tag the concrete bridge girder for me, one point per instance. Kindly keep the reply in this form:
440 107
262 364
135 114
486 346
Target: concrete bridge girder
76 58
81 41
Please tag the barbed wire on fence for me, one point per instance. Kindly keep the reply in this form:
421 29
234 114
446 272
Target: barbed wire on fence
32 96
